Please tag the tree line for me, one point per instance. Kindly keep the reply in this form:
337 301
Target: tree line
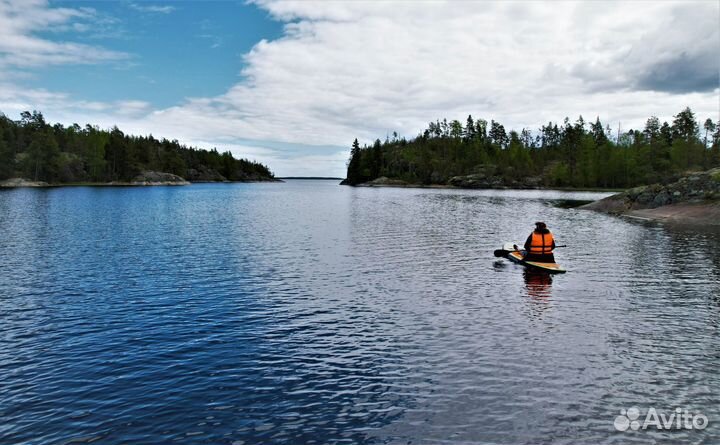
569 154
34 149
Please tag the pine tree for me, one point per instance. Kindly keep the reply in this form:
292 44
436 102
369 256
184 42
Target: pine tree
685 131
709 127
375 159
353 172
598 132
469 129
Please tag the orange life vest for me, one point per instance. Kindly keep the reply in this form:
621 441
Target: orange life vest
541 243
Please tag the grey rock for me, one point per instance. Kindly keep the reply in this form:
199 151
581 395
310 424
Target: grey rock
661 199
158 178
701 186
383 180
22 182
204 174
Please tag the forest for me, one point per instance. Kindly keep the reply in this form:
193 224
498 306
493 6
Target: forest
568 154
33 149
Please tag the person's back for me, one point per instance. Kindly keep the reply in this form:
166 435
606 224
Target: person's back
540 245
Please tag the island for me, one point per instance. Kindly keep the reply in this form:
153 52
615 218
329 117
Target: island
34 153
567 155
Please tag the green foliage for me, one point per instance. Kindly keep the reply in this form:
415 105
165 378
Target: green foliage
574 154
7 160
559 175
34 149
43 156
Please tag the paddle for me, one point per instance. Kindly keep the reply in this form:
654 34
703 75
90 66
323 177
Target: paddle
503 253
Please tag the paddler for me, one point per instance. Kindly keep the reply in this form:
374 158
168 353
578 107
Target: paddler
540 245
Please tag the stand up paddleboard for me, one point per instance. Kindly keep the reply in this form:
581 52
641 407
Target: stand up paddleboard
516 256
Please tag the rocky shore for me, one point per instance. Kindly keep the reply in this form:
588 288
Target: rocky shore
204 174
484 178
157 178
484 181
694 199
146 178
478 181
21 182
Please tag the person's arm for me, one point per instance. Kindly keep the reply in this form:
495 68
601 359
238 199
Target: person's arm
528 243
553 244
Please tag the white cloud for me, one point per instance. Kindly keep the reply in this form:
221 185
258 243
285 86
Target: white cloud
347 69
20 46
166 9
13 101
366 68
285 161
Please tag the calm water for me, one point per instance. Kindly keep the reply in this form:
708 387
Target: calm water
307 312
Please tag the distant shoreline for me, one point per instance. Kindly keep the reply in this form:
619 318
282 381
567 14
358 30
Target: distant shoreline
40 184
453 187
320 178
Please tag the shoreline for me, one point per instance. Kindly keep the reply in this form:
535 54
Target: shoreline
705 214
693 200
40 184
695 213
453 187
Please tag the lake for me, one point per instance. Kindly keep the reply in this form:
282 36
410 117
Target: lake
308 312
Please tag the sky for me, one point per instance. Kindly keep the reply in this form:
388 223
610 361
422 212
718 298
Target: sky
293 83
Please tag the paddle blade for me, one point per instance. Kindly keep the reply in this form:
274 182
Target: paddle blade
500 253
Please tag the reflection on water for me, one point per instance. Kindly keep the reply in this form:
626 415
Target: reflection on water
538 284
306 312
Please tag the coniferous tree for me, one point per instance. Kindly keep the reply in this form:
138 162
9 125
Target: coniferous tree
469 129
35 149
497 134
715 150
7 161
573 154
375 159
709 127
41 163
353 171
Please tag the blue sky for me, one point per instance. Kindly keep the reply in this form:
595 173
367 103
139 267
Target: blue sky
176 49
292 83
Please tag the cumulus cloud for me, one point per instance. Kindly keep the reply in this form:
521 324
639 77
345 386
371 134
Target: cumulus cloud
285 159
20 46
366 68
13 101
672 48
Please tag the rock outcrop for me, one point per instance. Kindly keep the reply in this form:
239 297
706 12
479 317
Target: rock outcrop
695 188
204 174
158 178
483 181
385 181
22 182
483 177
694 199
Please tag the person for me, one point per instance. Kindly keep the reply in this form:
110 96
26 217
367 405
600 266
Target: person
540 245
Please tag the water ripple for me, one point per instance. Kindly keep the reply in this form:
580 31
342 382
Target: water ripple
310 313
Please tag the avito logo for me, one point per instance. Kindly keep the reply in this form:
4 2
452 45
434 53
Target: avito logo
678 419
